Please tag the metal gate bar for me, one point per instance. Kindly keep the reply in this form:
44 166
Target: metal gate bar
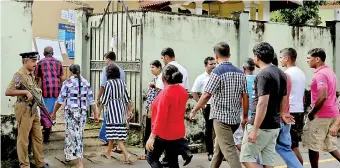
131 61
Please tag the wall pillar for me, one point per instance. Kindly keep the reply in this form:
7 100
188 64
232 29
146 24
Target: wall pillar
247 7
243 38
81 56
199 7
336 60
15 39
266 10
334 28
174 9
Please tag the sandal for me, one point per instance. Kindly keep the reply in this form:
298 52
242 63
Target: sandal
143 157
103 155
116 150
128 161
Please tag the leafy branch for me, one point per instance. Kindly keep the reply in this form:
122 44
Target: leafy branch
306 14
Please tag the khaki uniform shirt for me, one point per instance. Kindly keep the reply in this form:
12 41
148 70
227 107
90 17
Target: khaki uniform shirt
26 78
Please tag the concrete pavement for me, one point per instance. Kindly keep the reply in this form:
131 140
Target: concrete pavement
200 161
92 159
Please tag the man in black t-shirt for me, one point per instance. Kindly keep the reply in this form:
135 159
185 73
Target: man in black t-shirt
269 98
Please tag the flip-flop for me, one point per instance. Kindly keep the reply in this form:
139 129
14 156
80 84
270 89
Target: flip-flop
143 157
128 161
103 155
116 150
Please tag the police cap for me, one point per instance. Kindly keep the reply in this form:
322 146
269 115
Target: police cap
30 55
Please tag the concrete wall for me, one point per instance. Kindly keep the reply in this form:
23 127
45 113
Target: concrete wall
47 14
326 15
193 38
15 38
301 38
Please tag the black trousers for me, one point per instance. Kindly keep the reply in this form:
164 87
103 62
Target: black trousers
208 131
172 149
147 131
184 150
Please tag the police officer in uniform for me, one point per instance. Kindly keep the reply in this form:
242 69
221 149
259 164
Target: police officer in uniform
26 112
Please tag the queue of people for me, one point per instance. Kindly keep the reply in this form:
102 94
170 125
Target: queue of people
253 116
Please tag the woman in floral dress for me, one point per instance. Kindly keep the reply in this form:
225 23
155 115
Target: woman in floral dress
76 94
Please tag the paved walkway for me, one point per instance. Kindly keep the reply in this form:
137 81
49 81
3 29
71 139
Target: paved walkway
94 160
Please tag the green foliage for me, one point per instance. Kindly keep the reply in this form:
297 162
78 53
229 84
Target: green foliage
306 14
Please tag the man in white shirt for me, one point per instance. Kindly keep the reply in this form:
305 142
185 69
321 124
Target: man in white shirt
198 87
288 58
168 57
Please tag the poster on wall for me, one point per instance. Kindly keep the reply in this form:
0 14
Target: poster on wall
66 34
64 14
71 16
42 43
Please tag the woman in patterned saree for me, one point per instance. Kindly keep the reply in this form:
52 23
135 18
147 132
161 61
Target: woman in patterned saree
155 68
76 94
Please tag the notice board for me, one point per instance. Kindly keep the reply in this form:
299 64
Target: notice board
66 36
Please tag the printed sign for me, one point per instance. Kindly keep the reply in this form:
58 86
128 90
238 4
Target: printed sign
66 34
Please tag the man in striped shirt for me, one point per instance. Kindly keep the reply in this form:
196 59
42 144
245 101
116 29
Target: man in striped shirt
49 71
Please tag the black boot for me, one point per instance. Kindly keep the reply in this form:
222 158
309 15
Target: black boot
47 132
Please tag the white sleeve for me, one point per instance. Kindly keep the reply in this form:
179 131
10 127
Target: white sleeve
187 82
197 86
159 82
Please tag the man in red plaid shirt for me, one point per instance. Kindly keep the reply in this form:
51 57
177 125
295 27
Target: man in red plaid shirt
50 71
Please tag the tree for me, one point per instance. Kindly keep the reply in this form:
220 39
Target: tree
308 13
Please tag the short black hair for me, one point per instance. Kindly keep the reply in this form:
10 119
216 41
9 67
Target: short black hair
290 52
223 49
249 64
112 71
110 55
318 52
156 63
275 60
264 51
169 52
206 60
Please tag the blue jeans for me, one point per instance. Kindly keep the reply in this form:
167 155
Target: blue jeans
283 147
102 133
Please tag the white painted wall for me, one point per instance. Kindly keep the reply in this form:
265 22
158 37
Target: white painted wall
16 37
193 39
301 38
